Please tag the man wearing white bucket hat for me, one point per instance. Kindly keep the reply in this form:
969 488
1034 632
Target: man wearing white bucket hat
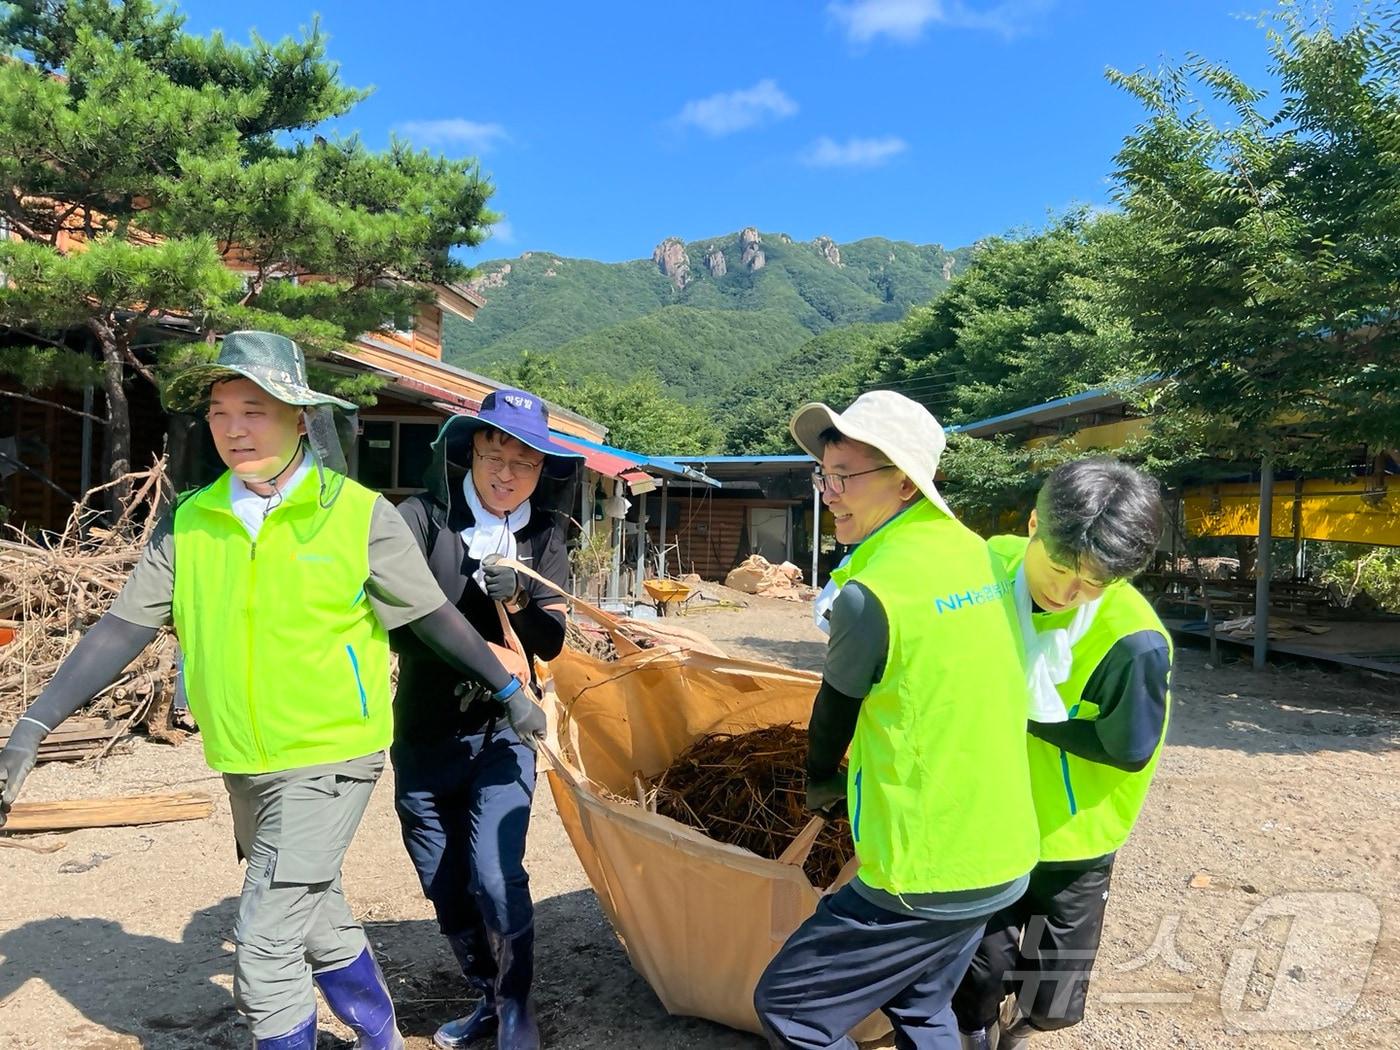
923 679
1098 651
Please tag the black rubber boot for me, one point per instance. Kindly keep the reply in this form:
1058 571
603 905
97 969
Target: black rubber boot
982 1039
1014 1028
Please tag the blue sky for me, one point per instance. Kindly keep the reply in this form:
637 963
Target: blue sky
607 127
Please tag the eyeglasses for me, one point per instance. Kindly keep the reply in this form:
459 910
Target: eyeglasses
836 483
519 468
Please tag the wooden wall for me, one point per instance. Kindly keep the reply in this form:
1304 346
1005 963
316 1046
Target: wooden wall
712 530
427 331
43 435
51 441
424 339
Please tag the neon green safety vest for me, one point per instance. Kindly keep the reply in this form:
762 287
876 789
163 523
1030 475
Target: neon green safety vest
1086 809
286 664
938 790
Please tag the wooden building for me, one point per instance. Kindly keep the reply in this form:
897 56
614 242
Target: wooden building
763 505
51 441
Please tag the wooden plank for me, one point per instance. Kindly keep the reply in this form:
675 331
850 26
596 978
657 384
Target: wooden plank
74 729
122 811
427 331
1362 660
75 740
70 753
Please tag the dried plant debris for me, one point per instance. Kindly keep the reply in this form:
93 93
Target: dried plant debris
748 790
55 590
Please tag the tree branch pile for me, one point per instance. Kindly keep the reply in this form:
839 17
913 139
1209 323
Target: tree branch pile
53 592
749 790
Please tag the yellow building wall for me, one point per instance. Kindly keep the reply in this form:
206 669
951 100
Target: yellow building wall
1104 436
1358 511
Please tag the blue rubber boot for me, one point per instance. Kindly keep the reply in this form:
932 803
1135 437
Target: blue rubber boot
474 959
358 996
515 972
302 1037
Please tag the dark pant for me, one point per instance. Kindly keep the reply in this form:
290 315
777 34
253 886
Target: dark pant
464 807
1041 948
852 958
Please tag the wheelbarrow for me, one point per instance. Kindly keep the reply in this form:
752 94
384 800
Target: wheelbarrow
667 592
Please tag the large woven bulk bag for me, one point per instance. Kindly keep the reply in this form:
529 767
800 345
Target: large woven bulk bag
699 919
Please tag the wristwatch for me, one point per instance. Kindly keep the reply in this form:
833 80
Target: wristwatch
518 603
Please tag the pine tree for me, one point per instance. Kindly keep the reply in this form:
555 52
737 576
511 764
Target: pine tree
158 184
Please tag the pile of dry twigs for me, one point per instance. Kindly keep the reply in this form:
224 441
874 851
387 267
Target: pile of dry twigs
587 638
54 591
748 790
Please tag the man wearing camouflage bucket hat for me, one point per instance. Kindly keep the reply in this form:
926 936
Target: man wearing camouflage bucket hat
282 588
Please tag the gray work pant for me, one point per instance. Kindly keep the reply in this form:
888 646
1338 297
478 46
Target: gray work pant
293 829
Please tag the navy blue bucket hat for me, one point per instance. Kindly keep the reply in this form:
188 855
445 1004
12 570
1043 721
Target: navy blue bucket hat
522 415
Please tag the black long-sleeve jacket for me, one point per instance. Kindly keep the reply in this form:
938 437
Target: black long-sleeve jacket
425 705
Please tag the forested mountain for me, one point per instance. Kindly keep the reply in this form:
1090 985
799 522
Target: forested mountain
702 315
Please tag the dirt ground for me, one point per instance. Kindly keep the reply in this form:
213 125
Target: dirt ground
1277 796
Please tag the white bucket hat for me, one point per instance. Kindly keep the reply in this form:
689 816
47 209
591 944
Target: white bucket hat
904 430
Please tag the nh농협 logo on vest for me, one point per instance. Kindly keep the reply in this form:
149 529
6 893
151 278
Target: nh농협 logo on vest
992 592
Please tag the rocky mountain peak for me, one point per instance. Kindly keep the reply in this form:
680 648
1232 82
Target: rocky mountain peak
671 260
830 252
494 279
714 262
751 249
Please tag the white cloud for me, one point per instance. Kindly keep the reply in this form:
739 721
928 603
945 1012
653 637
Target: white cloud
864 20
853 153
503 232
731 111
906 20
454 131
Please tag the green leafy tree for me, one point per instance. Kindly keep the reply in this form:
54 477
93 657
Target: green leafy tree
163 188
639 415
1261 267
1362 575
1019 326
834 367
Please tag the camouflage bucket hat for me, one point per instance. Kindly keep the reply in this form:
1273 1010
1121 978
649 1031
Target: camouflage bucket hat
272 361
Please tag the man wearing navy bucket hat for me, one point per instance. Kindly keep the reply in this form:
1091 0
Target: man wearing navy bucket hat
464 775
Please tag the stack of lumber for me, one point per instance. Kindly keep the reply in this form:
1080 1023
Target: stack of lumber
75 739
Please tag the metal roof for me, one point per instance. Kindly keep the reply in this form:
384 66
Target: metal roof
730 469
655 464
1088 401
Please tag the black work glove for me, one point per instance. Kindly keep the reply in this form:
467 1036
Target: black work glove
469 693
824 793
526 717
16 760
502 582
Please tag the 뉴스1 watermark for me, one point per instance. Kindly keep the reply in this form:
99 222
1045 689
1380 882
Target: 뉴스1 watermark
1163 948
1321 970
1323 961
